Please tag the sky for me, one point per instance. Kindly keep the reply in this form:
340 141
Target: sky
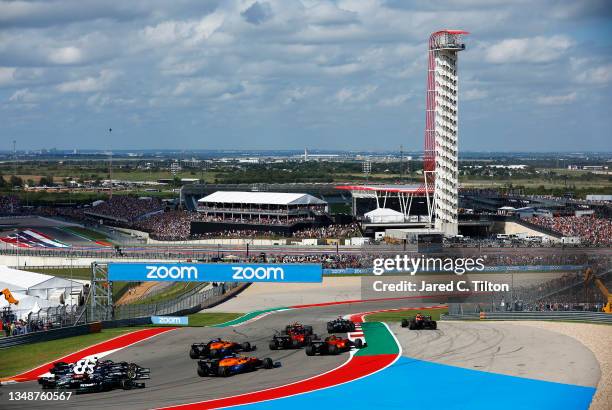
295 74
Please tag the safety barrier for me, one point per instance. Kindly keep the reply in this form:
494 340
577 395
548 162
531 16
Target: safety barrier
44 336
572 316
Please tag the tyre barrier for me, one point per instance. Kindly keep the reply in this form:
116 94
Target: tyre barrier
597 317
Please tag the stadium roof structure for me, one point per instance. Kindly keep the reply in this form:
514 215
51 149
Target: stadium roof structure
261 198
406 189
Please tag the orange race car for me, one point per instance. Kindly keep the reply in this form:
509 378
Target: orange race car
332 345
234 364
218 348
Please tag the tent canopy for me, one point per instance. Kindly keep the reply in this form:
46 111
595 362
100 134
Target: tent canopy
384 215
24 281
261 198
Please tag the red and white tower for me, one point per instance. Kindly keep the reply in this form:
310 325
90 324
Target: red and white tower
441 143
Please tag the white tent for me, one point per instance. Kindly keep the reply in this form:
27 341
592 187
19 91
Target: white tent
26 305
36 284
384 215
261 198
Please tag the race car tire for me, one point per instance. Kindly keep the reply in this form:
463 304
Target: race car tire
193 353
213 352
434 325
268 363
330 328
412 325
273 344
358 343
308 329
202 371
246 346
310 350
333 350
224 371
404 322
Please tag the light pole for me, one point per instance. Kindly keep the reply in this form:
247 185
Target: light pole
110 163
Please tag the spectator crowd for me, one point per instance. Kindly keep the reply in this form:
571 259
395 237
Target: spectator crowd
125 208
590 229
9 204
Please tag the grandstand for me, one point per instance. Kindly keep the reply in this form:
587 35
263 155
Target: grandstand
281 213
125 209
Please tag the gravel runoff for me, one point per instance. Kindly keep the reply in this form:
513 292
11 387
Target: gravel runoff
597 339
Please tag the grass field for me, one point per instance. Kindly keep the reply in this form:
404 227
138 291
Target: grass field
18 359
212 318
171 292
87 233
67 272
399 315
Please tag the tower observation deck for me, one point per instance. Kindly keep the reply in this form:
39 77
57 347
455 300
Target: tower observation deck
440 164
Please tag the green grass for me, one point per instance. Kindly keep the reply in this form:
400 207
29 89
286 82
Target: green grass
67 272
87 233
171 292
399 315
21 358
212 318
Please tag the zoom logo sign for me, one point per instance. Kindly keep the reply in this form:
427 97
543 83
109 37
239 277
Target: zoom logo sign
261 273
176 272
214 272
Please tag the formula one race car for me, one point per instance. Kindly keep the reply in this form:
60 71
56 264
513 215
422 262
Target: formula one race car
419 322
332 345
92 375
233 364
340 326
293 337
218 348
297 328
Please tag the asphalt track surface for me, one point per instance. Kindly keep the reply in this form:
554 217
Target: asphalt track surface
503 348
173 373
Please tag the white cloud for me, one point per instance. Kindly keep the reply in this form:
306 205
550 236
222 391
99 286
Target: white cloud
190 32
88 84
66 55
596 75
23 95
394 101
7 75
528 50
357 94
474 94
557 99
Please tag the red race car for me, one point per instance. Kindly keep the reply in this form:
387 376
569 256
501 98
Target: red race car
293 337
332 345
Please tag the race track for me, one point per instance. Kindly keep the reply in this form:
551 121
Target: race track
503 348
510 349
173 373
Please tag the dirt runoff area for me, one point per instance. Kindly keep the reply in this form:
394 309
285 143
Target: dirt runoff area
269 295
597 338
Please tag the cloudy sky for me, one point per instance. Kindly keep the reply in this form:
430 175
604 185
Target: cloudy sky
345 74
